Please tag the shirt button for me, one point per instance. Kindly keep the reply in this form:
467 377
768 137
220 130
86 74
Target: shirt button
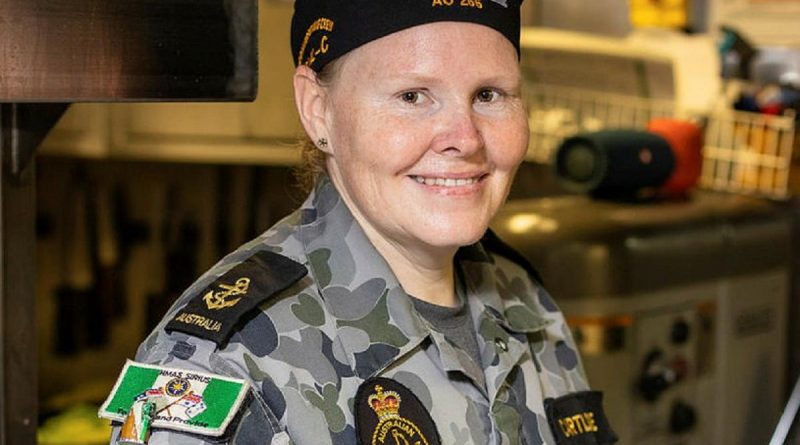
500 343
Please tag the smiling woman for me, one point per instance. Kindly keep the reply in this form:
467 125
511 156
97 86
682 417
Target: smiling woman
423 144
383 310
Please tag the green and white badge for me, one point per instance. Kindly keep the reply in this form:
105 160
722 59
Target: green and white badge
188 401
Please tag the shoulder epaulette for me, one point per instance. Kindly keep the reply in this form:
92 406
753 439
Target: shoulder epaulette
493 243
214 311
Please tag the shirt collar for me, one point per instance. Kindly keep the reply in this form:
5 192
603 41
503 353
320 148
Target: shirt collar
500 293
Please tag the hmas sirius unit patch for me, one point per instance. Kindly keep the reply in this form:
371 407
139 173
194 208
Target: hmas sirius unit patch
147 396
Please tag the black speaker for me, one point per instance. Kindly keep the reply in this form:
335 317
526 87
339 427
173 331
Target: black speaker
611 163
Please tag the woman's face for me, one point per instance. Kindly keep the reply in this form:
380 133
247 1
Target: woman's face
427 127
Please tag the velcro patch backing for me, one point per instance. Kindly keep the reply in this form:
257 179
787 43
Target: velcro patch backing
579 419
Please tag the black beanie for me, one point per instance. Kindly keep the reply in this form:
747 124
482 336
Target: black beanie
323 30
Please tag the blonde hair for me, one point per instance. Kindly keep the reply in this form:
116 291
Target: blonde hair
312 164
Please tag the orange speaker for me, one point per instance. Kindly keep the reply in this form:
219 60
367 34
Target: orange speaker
686 140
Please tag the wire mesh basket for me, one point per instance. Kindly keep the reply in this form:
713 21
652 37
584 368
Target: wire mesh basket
747 153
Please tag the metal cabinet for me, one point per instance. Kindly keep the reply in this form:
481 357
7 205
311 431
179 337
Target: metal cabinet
679 308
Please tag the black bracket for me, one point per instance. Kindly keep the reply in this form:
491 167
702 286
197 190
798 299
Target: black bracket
23 127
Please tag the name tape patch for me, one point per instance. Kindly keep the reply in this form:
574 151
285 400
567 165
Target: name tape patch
181 400
579 419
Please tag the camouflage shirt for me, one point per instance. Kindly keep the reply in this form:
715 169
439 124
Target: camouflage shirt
307 350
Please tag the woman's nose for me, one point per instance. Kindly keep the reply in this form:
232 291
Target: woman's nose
459 133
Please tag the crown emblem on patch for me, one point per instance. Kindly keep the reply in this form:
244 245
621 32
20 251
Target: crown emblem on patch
380 422
385 404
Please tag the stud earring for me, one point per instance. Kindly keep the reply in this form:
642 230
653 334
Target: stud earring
322 143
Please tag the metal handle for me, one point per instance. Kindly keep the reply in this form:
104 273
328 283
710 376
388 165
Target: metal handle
789 413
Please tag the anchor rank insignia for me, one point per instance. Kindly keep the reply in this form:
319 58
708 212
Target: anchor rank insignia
221 299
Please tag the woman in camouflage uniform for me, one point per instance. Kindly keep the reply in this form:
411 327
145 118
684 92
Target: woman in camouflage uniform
381 311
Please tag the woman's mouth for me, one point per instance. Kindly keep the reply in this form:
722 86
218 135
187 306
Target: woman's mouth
447 182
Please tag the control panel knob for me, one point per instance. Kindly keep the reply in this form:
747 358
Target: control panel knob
682 418
680 332
651 386
656 376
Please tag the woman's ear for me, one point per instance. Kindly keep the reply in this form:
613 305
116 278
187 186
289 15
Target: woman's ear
310 98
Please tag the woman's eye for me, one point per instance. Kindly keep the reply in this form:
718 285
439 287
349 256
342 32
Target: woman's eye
411 97
486 95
